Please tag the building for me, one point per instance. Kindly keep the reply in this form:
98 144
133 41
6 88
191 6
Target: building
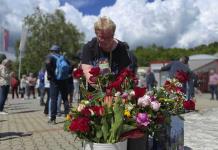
200 64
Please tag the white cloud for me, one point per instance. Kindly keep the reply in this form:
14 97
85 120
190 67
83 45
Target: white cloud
169 23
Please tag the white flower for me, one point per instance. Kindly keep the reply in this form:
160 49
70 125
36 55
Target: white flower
80 107
132 93
117 94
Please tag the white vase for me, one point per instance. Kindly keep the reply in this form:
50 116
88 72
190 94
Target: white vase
105 146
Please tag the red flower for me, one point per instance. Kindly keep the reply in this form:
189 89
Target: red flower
95 71
139 92
116 85
181 76
108 91
189 105
98 110
93 79
86 112
78 73
80 124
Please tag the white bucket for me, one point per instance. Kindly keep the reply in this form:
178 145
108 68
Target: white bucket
105 146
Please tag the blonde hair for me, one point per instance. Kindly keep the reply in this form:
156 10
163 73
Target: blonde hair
104 23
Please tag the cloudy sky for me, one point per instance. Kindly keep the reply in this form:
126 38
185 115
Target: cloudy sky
168 23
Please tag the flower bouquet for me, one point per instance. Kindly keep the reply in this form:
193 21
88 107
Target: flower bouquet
117 109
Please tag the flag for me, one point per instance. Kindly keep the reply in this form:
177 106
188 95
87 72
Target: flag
5 39
23 39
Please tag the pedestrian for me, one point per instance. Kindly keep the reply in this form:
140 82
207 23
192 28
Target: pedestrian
70 87
58 77
150 79
76 92
47 91
5 67
31 83
180 65
213 84
104 50
14 83
23 85
41 86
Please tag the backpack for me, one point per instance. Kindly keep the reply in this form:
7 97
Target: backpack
41 77
62 68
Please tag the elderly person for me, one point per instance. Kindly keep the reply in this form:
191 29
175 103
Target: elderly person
104 50
4 83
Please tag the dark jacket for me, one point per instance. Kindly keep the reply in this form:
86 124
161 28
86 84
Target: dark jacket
175 66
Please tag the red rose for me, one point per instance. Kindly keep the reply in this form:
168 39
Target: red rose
189 105
95 71
80 124
78 73
139 92
86 112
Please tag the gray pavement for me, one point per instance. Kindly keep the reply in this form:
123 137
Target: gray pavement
26 128
201 126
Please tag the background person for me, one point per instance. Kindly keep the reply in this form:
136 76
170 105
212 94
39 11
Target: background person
150 79
14 83
4 83
56 85
180 65
213 84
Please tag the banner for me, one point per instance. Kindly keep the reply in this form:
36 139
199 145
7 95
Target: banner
23 39
5 39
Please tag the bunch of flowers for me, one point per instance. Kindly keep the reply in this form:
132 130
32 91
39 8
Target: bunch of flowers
118 109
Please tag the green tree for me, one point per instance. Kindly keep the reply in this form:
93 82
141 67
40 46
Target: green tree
46 29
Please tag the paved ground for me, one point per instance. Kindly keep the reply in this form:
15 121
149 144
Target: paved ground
201 127
26 128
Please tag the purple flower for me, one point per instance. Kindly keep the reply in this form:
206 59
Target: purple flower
142 119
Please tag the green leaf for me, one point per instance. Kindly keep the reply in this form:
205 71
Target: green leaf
118 122
105 128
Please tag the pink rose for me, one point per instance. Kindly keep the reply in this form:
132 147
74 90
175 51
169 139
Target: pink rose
155 105
144 101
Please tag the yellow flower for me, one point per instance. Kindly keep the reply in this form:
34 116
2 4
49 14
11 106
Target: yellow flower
68 117
127 113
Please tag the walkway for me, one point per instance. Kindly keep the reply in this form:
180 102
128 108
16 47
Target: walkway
26 128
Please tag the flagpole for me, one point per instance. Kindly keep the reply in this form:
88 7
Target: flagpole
19 71
21 48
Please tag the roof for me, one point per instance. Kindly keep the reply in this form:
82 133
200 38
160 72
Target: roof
203 57
199 60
